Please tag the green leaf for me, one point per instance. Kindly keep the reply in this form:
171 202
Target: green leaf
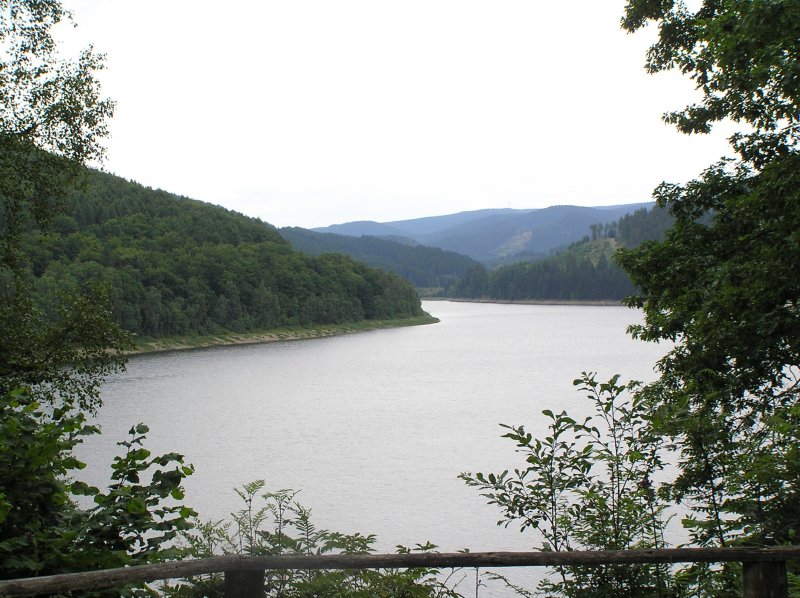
136 506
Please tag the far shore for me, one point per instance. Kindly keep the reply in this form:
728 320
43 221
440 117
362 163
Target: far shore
183 343
608 302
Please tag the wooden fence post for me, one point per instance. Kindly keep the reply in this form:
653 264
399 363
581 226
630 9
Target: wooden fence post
244 584
765 579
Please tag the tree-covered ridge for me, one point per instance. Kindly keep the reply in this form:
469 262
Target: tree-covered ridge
425 267
585 271
176 266
115 205
635 228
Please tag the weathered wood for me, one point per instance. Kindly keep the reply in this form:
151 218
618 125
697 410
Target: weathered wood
244 584
172 570
108 578
765 580
521 559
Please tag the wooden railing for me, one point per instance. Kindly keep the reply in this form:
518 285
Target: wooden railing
764 569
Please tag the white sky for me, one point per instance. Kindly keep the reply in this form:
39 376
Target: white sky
313 112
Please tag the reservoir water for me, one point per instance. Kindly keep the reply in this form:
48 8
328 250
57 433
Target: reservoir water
373 428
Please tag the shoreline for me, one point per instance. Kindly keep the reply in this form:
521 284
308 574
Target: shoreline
587 302
187 343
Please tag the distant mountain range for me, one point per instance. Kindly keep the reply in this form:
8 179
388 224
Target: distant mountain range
425 267
493 236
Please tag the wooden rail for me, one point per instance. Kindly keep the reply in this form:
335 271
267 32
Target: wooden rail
764 573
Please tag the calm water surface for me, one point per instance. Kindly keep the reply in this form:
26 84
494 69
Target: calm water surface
373 428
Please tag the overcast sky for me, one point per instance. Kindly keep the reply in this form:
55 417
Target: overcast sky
314 112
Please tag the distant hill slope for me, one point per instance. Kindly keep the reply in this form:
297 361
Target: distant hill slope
411 228
642 225
586 271
177 266
425 267
493 236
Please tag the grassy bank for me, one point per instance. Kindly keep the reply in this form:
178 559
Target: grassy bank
178 343
530 301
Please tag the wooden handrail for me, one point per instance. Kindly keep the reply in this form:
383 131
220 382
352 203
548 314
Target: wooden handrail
761 559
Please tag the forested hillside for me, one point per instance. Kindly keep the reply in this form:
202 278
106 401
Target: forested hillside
495 236
177 266
586 271
635 228
425 267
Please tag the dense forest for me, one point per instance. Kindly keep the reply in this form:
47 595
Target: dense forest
425 267
586 271
634 229
176 266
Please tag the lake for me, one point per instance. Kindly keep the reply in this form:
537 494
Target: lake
373 428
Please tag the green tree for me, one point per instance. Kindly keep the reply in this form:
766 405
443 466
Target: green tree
589 486
52 117
53 358
742 55
722 283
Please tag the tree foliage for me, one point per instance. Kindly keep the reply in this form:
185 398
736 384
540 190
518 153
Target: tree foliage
589 485
743 58
43 531
721 285
176 266
273 523
642 225
583 272
54 357
52 117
